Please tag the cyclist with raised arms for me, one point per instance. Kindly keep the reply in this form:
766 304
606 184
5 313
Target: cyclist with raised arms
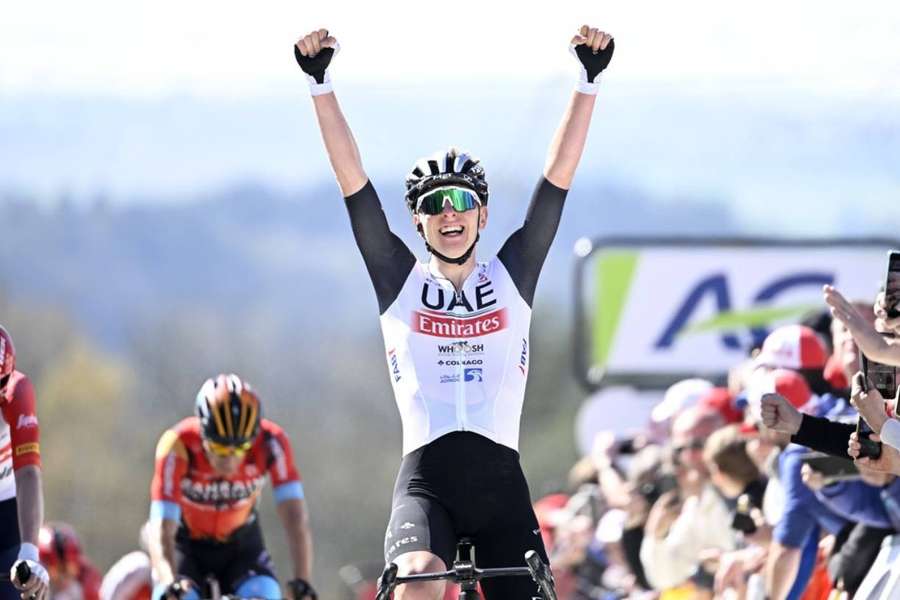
210 470
21 492
456 332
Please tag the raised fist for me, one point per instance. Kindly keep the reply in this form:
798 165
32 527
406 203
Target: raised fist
594 49
314 53
779 415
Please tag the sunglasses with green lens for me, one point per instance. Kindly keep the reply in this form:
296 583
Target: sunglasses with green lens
460 199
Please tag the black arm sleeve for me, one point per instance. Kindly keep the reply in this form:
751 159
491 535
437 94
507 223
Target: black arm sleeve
524 252
387 258
823 435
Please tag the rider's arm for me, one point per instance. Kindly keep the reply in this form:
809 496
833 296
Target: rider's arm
162 549
593 49
289 499
165 506
387 258
314 53
26 459
30 502
295 520
524 252
568 142
340 145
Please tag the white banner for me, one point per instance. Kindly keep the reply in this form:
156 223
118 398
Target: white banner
699 309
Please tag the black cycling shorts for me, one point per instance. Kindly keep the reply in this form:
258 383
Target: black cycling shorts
231 562
9 545
465 485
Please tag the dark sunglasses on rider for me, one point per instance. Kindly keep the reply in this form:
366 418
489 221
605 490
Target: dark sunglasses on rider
460 199
225 450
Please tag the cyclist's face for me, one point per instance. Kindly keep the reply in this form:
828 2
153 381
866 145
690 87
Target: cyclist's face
451 232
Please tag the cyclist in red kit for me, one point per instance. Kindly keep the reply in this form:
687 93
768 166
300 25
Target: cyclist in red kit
21 498
72 575
210 471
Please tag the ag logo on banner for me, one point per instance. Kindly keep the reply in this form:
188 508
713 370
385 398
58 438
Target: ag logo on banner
653 311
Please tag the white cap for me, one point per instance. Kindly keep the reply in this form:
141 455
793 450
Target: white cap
679 396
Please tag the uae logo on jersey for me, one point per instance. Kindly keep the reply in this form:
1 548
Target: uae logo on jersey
438 325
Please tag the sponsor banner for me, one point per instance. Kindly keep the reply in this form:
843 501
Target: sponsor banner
458 327
698 309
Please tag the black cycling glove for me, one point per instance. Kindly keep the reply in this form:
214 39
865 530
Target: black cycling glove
316 69
592 65
301 589
176 590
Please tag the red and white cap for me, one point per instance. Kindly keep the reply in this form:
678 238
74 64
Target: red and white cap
793 387
785 382
793 347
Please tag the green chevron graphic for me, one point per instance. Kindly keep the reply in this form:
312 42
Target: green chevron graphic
614 274
754 317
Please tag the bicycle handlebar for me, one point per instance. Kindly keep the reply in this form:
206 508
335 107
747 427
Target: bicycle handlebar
466 572
476 574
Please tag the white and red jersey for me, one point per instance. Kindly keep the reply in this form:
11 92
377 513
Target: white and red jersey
458 361
19 432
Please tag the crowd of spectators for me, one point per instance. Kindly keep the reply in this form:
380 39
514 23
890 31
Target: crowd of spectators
749 488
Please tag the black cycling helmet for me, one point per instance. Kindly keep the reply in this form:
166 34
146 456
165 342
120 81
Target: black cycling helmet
453 167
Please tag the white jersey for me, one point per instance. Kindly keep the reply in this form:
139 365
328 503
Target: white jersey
458 361
7 477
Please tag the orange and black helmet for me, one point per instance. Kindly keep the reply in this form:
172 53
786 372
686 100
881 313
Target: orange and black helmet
229 411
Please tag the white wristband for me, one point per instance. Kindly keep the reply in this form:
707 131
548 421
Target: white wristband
589 88
317 89
29 551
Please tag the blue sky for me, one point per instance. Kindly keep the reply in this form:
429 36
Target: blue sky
230 48
751 105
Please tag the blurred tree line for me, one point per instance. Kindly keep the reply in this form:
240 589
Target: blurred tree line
101 414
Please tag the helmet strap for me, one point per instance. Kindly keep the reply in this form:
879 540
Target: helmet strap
461 259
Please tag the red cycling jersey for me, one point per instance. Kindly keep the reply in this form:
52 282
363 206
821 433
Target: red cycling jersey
19 432
210 505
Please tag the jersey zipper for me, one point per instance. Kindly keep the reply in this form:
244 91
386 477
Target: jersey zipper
461 412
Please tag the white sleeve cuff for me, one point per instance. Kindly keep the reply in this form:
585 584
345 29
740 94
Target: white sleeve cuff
28 551
890 433
589 88
318 89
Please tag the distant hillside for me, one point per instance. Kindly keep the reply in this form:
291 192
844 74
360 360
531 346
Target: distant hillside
249 250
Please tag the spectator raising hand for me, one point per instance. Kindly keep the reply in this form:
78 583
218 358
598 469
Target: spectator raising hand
867 336
779 415
869 402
